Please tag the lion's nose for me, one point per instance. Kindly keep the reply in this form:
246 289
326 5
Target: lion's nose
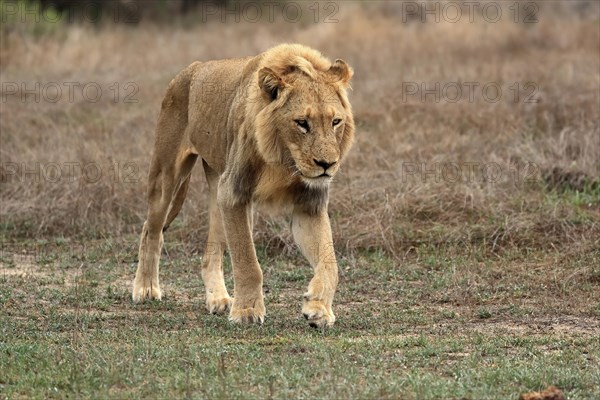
324 164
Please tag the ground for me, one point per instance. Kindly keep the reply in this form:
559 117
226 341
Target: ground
435 325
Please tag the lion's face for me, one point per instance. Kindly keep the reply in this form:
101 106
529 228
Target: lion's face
314 126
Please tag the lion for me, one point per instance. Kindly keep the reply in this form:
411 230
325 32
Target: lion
272 131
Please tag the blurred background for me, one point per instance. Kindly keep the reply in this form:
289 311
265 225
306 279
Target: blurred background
478 122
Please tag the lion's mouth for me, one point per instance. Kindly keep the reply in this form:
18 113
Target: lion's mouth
318 177
319 181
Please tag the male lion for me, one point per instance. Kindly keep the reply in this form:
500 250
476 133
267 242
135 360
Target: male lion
271 130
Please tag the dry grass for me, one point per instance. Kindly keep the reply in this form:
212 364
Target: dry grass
376 203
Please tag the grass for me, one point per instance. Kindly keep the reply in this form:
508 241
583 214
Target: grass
467 288
437 325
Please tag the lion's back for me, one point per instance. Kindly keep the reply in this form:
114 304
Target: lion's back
214 86
215 82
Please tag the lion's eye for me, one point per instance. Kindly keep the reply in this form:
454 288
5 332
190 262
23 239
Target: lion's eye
336 122
303 125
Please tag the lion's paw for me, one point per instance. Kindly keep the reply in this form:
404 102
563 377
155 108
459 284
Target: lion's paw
254 314
145 290
218 305
317 314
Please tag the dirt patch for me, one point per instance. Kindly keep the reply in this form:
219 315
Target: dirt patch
25 266
28 267
552 393
566 325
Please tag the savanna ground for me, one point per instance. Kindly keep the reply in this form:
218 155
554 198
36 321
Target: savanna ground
478 284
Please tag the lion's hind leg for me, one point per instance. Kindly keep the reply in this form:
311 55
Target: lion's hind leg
167 189
146 283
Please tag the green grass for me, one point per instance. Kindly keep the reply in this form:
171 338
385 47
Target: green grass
213 359
438 324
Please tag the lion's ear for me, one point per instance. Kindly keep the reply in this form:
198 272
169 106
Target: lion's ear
342 71
270 82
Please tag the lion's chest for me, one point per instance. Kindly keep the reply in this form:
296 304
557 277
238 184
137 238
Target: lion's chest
272 193
279 192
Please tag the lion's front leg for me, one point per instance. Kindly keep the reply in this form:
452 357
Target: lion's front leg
248 300
313 235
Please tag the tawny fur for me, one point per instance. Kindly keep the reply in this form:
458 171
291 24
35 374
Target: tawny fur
271 131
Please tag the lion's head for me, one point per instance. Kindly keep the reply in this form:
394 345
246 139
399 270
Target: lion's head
304 119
